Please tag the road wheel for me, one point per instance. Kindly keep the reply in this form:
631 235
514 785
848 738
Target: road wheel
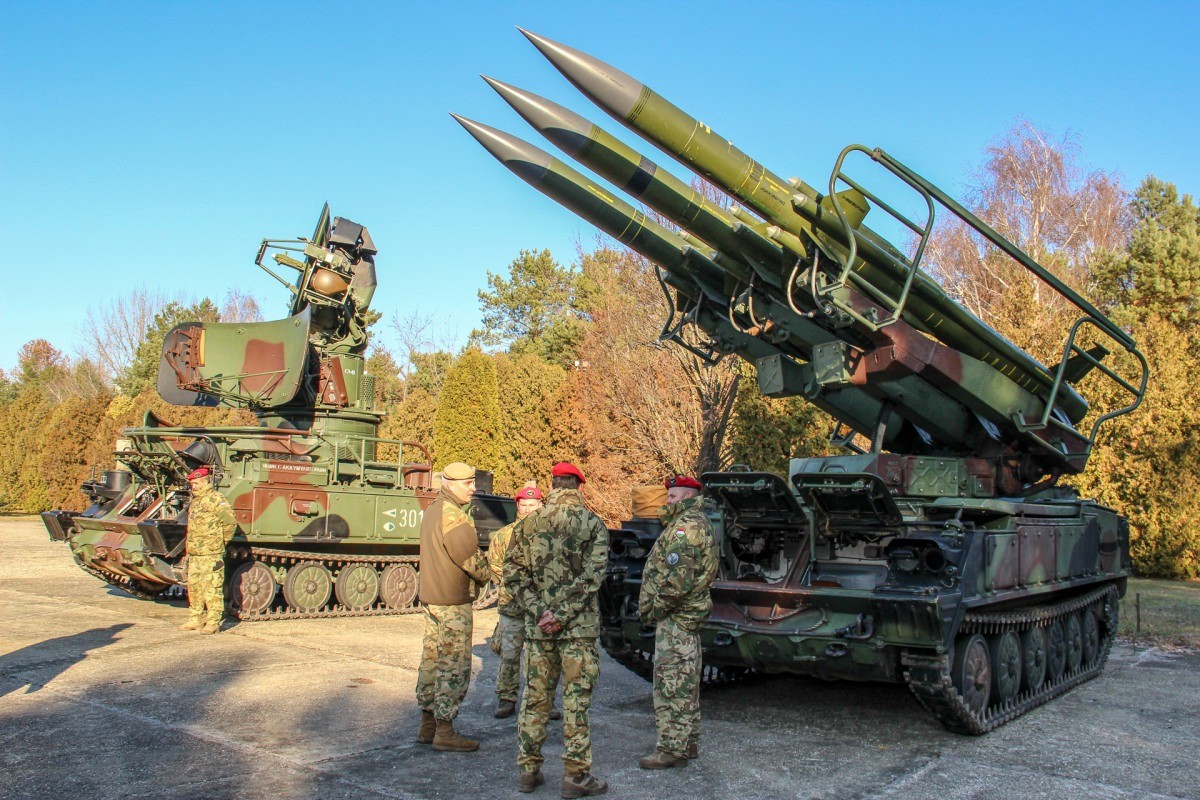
1005 651
1090 629
1033 658
1056 650
307 586
1074 631
972 672
252 588
357 586
398 586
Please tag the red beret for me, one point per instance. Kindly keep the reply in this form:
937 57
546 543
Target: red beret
529 493
199 472
565 468
683 482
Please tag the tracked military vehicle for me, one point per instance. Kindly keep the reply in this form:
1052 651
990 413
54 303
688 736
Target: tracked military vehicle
326 526
945 550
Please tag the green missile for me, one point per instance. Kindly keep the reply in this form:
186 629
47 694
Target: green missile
609 213
688 270
595 148
799 210
694 274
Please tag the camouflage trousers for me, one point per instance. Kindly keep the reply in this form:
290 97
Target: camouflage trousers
445 671
206 588
676 687
510 636
578 663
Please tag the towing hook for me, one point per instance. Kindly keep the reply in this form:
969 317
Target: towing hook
863 627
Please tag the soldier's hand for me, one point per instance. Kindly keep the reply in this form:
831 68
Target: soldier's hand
549 623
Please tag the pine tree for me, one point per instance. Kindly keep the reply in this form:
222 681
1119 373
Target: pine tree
766 433
1147 463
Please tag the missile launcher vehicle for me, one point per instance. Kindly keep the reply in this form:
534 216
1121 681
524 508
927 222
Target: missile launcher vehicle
328 513
945 550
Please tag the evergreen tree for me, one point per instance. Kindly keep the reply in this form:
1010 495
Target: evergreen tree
766 433
1160 273
529 402
143 372
468 413
1147 463
537 309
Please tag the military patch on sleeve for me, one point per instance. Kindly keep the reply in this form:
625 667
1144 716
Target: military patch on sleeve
680 532
673 559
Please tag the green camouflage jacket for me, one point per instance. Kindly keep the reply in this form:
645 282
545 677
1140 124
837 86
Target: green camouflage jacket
497 548
556 561
210 522
681 567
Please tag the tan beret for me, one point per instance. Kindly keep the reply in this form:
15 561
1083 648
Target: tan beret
458 471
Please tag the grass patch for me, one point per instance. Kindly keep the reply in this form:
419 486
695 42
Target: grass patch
1170 612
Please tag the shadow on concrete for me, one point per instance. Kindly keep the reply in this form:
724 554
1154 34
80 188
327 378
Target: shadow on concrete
50 658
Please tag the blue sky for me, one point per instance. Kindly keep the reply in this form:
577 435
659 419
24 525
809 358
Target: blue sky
156 144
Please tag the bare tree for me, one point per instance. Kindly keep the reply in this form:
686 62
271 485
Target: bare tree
81 378
240 306
1035 192
419 336
114 331
650 409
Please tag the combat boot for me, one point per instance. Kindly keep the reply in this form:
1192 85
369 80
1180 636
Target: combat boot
505 709
192 625
211 628
428 726
446 739
693 751
662 760
530 781
585 785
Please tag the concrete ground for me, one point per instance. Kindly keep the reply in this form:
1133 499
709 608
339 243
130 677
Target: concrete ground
101 696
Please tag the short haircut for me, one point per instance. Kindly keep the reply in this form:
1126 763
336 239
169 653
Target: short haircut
564 482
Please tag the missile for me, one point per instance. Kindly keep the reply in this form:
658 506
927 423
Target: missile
696 277
801 212
620 164
600 207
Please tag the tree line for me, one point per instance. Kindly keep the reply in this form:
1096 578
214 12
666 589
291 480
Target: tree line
567 363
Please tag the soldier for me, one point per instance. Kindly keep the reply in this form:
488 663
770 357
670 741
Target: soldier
675 598
210 527
450 560
508 640
553 573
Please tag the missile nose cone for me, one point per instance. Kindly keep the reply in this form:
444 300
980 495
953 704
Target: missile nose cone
565 128
608 87
529 162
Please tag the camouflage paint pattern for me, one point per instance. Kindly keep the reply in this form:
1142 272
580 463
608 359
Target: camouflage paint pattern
556 562
858 566
577 662
497 548
308 477
210 527
509 637
206 589
445 670
681 567
676 687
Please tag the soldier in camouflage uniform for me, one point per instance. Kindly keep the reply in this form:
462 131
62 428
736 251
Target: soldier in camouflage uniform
450 560
675 598
508 640
210 527
552 573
